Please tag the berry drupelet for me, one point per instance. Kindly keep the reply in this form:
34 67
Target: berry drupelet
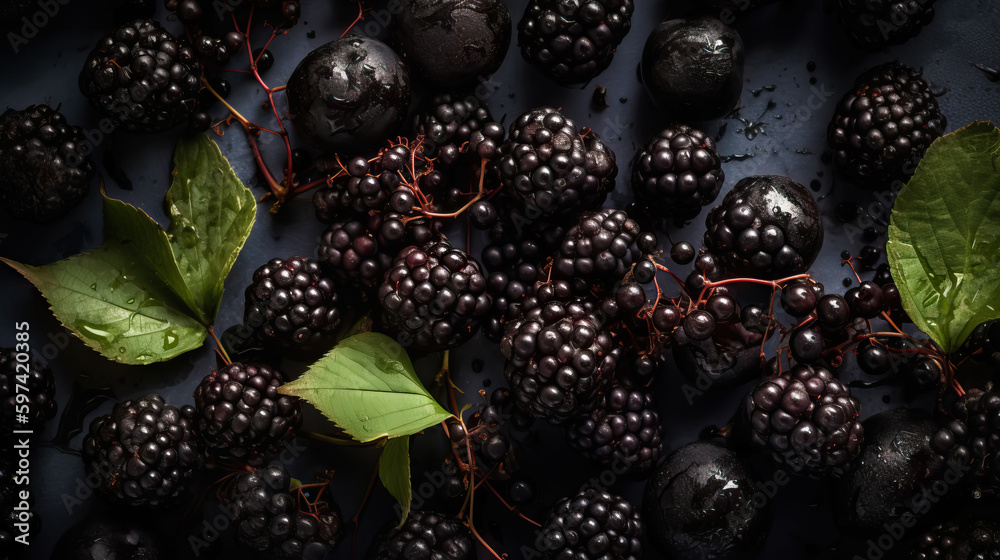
45 164
144 453
242 416
883 126
143 78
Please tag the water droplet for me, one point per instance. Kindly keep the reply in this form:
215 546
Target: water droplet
170 340
131 300
93 286
121 349
95 331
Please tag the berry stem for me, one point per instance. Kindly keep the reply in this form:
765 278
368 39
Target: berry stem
355 520
219 347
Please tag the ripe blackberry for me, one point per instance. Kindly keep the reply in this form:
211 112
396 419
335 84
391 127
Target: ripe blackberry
805 418
358 250
964 539
559 358
242 416
425 534
968 440
883 126
573 41
433 298
144 453
593 524
294 303
767 226
269 518
553 169
16 368
597 252
451 43
454 126
876 24
363 185
677 173
623 429
516 259
143 78
45 165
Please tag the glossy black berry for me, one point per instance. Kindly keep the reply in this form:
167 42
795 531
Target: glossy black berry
593 524
677 173
349 95
687 80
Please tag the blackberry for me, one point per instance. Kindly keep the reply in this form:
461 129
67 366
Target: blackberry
767 226
454 126
805 418
16 368
693 69
559 358
553 169
452 43
45 164
143 78
516 259
876 24
359 250
294 303
349 94
425 534
242 416
593 524
597 252
703 502
963 539
389 180
433 298
622 430
573 41
268 517
883 126
968 439
677 173
144 453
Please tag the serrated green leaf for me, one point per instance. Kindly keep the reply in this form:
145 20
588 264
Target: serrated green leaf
944 236
211 215
394 472
145 296
367 386
115 303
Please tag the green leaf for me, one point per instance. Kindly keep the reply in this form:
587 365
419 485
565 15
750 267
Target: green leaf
367 386
394 471
944 236
211 215
147 295
113 300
